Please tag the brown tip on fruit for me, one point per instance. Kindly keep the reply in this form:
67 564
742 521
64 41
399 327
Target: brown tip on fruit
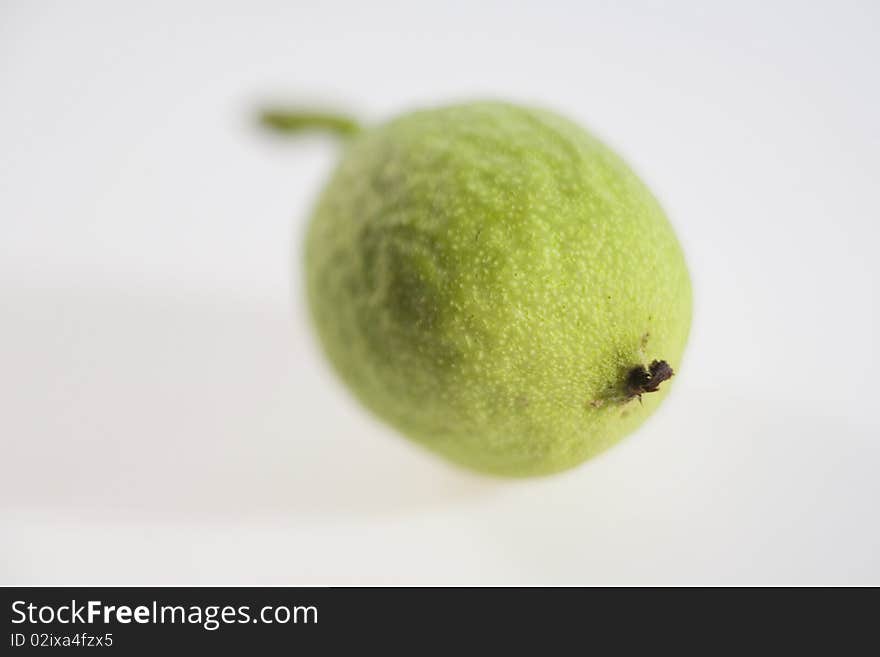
640 379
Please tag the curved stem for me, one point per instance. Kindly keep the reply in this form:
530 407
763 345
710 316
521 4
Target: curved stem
293 121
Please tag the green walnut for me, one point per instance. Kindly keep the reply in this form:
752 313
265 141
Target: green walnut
496 283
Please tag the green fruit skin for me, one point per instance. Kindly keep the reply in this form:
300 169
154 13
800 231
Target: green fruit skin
483 276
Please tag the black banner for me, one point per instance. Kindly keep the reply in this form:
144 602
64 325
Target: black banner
145 620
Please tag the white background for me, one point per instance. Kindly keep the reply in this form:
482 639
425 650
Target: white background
166 417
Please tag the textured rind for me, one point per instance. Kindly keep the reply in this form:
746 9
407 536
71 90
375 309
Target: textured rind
483 276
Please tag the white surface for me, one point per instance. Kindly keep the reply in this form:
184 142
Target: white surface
165 416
